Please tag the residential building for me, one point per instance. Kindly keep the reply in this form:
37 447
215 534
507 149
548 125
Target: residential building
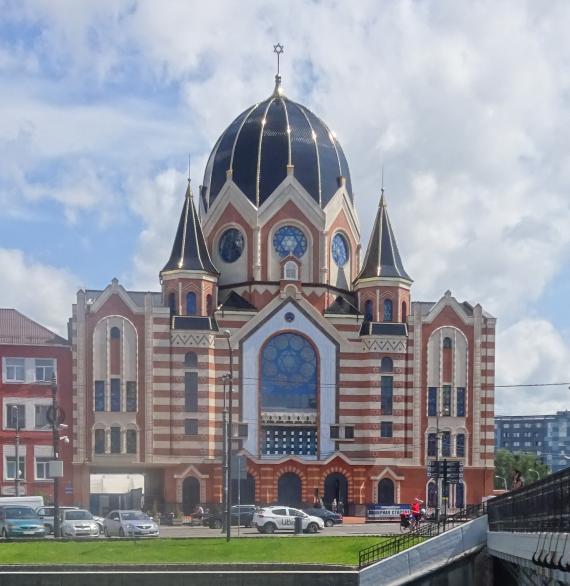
30 356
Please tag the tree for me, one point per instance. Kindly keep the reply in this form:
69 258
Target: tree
507 462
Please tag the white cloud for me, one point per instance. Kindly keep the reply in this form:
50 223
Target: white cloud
532 351
42 292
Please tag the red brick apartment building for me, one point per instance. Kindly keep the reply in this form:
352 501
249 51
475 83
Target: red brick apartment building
30 355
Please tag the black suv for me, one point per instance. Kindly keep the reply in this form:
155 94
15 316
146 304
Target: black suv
239 513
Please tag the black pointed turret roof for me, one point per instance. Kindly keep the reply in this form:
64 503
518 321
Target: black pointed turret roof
189 252
382 256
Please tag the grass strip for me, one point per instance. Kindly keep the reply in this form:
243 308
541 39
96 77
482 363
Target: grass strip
317 550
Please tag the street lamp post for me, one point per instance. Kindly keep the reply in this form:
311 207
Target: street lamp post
55 439
227 424
503 479
16 411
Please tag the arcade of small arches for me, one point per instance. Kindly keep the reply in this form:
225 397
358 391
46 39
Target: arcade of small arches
115 439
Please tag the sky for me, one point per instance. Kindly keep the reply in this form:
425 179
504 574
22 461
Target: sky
466 105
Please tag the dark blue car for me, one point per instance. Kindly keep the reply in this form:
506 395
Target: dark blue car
327 516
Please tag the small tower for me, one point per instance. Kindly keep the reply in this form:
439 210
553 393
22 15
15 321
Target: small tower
189 279
382 285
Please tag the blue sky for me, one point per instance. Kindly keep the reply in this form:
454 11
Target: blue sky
464 103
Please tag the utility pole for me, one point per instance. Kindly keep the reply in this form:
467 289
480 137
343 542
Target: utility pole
16 410
227 334
55 438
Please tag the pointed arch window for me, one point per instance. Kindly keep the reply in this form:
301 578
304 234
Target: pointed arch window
404 312
172 303
369 310
388 310
191 303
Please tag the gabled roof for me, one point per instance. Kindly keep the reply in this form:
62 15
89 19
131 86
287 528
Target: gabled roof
236 302
382 256
342 306
189 252
16 328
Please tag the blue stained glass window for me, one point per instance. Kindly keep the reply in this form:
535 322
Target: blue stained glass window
387 310
289 240
446 399
446 444
191 304
115 394
432 445
387 364
288 373
459 495
460 402
386 395
432 494
432 401
340 250
460 445
231 245
368 310
99 395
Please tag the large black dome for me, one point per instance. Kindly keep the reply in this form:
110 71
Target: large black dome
259 144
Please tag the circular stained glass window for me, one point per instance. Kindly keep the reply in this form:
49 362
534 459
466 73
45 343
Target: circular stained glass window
231 245
289 240
339 250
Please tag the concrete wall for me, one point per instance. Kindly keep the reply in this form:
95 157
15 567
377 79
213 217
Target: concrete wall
427 557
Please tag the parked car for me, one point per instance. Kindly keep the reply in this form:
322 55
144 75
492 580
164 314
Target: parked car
18 521
46 515
129 524
240 514
78 523
271 519
327 516
100 521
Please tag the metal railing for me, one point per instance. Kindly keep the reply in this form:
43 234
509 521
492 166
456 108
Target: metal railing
379 551
541 506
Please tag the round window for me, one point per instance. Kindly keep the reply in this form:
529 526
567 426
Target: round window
231 245
339 250
289 240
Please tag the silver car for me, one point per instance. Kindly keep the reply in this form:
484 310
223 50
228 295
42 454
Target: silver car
46 514
78 523
129 524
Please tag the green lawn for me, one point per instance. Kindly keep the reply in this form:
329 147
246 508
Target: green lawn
329 550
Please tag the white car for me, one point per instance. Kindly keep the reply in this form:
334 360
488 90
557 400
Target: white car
271 519
46 514
78 523
129 524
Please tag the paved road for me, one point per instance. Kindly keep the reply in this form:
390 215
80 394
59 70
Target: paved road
345 529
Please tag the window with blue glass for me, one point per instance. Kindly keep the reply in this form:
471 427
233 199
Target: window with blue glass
190 391
386 429
432 445
368 310
289 240
115 440
115 394
172 303
460 445
131 441
446 400
115 333
447 342
191 360
386 364
386 394
99 395
460 402
191 303
459 495
99 441
432 401
446 444
131 396
288 373
231 245
432 492
387 310
340 250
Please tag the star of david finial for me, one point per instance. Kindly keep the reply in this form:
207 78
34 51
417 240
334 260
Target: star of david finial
278 49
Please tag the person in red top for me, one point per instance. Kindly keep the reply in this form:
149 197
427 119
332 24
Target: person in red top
416 511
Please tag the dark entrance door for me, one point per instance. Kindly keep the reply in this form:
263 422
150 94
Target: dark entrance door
190 494
336 487
386 492
247 490
289 489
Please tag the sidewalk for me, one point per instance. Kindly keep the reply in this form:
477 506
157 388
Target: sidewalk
354 520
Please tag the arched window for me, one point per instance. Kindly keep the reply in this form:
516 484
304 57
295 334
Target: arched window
172 303
208 304
447 342
460 495
291 271
432 494
386 365
115 440
404 312
432 445
460 445
386 492
387 310
369 310
99 441
115 333
191 360
131 441
191 303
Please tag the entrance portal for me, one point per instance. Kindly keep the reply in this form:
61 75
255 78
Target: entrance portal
336 487
289 489
190 494
386 492
246 490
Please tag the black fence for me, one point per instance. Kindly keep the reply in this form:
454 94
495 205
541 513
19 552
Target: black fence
541 506
385 549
